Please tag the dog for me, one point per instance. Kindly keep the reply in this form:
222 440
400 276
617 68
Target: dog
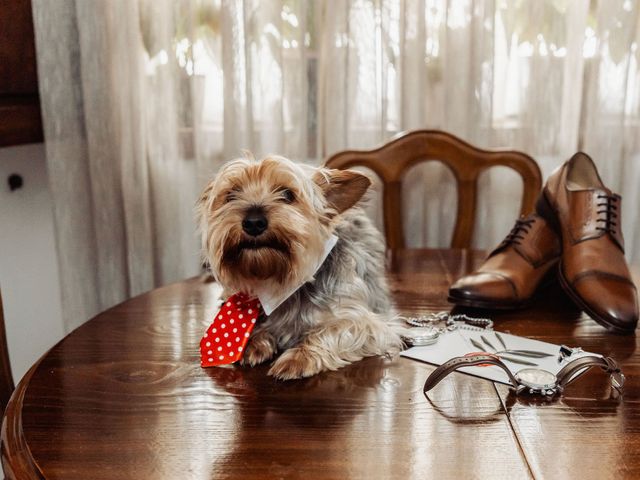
263 224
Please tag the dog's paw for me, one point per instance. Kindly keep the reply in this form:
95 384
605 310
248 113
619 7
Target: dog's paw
295 363
260 348
394 346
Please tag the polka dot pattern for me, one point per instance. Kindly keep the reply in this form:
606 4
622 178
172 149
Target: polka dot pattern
229 347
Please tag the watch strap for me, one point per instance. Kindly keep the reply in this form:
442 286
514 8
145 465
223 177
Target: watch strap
608 364
467 361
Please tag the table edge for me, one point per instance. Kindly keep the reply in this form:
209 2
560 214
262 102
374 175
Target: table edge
17 461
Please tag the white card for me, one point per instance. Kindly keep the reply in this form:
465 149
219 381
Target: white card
270 299
457 343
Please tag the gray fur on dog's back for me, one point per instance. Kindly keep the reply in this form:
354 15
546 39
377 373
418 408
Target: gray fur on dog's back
353 271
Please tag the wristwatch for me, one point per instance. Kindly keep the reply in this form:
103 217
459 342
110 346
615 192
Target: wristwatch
535 381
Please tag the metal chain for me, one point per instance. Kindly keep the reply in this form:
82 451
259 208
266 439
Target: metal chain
452 322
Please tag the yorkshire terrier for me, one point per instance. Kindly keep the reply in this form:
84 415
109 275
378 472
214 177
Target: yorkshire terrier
263 224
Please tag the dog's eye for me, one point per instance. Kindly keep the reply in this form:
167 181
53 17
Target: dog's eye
287 195
231 196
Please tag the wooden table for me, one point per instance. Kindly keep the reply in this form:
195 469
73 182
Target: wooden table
124 397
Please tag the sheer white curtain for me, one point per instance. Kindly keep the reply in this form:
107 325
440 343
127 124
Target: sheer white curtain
546 77
143 99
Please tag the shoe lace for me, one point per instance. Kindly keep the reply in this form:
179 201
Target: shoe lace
519 231
608 207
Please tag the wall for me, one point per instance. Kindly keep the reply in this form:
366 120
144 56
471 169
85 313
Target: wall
28 265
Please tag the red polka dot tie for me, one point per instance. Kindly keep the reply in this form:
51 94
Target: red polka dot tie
225 339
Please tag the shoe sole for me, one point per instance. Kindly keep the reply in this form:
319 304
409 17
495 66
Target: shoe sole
487 304
546 211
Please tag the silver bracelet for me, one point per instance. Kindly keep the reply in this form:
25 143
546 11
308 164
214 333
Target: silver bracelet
427 332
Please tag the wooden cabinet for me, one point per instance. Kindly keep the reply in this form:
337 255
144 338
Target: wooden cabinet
20 120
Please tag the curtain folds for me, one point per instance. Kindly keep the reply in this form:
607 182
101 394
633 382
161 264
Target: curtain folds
143 100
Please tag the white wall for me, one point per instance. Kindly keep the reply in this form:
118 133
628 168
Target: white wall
28 265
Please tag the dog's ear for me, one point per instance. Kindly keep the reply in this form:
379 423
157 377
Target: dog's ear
342 188
202 203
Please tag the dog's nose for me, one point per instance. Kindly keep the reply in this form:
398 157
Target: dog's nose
254 223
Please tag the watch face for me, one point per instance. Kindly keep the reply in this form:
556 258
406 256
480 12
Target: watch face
536 378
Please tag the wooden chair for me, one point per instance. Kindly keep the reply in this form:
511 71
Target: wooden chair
6 379
392 160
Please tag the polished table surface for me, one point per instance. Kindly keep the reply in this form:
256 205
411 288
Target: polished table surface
124 397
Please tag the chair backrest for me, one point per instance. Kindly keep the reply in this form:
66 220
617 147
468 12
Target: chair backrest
392 160
6 378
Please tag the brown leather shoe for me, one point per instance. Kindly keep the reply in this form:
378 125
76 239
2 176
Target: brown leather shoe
593 270
512 272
